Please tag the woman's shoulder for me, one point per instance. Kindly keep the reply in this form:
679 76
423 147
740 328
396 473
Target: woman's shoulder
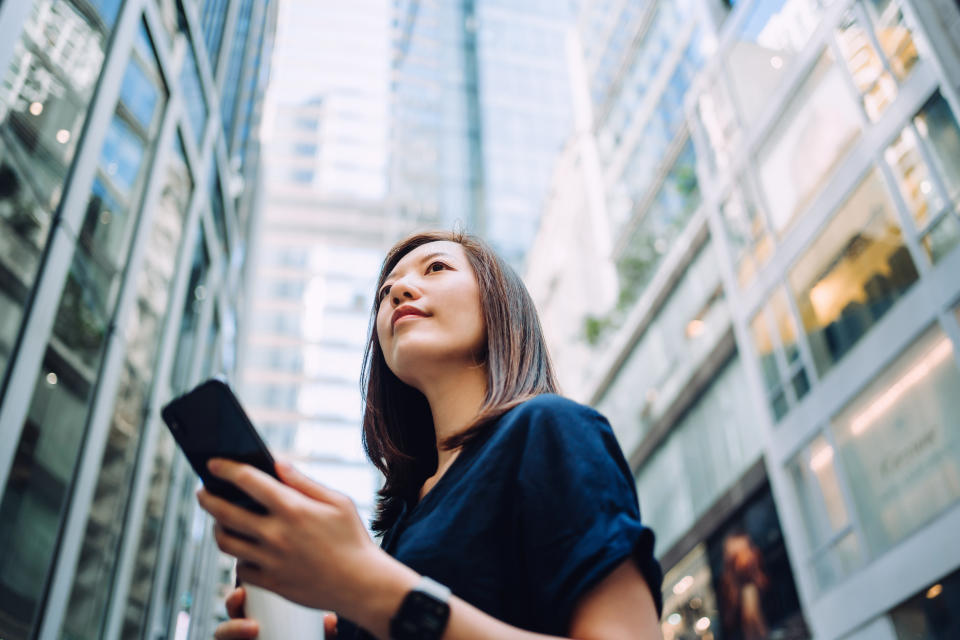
551 413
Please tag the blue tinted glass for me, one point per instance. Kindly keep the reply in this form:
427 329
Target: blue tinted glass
193 95
122 154
139 94
107 9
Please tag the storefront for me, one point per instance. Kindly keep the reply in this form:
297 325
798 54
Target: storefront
736 583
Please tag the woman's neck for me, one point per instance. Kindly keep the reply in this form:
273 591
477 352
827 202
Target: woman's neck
455 398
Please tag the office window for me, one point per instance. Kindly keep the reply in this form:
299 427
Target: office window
46 92
767 41
195 294
852 273
774 333
925 159
674 203
707 450
899 444
875 84
834 549
718 118
811 138
894 35
750 240
195 103
933 612
217 211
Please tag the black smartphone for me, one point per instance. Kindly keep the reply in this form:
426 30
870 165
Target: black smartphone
208 422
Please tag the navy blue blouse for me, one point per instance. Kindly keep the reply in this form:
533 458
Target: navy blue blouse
528 518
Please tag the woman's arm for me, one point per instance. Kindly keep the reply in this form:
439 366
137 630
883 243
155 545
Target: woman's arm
620 607
312 549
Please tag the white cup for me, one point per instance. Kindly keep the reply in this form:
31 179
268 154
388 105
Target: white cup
281 619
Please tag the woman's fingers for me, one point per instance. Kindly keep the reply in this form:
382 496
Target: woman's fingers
330 625
255 483
238 547
236 629
235 602
230 515
293 478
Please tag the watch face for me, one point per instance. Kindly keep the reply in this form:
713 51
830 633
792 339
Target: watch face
421 617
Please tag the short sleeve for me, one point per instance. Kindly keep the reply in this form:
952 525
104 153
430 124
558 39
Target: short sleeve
578 513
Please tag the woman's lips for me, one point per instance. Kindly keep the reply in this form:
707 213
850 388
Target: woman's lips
406 312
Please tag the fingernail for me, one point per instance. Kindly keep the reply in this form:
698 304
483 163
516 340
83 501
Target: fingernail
214 465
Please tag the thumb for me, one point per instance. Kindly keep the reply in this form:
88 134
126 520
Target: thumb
296 480
330 625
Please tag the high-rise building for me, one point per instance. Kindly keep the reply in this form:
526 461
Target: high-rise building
321 231
480 108
780 356
126 136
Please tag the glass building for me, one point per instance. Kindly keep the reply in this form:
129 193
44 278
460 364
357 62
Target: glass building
126 136
778 185
322 230
480 107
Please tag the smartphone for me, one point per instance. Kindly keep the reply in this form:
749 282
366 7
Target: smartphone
208 422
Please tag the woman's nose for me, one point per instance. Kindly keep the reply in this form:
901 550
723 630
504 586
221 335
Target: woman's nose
402 291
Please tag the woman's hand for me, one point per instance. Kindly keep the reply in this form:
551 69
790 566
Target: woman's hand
238 627
241 628
311 546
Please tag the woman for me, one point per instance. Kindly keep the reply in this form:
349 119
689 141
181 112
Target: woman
517 500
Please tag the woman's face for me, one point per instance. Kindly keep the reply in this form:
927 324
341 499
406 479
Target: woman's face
430 312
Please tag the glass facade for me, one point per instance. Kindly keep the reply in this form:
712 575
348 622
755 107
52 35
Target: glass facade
829 143
45 96
481 105
706 452
83 519
817 155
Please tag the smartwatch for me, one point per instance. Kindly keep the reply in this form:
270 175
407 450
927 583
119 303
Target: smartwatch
423 613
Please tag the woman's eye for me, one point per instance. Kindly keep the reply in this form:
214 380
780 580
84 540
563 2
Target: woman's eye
434 266
384 292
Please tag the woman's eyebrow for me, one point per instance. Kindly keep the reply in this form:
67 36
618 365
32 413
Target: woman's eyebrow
422 260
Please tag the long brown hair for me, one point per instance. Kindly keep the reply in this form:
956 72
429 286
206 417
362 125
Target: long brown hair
398 434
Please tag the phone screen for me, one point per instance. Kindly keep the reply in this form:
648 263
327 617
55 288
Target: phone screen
208 422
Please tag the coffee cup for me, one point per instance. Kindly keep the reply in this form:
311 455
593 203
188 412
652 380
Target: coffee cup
281 619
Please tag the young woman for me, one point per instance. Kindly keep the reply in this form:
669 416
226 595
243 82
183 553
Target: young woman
507 512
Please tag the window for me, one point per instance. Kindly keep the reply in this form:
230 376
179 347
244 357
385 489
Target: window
216 209
899 444
747 233
775 339
193 99
893 34
43 106
852 273
931 613
196 293
709 448
767 41
719 122
874 83
684 330
811 138
834 548
660 225
302 176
